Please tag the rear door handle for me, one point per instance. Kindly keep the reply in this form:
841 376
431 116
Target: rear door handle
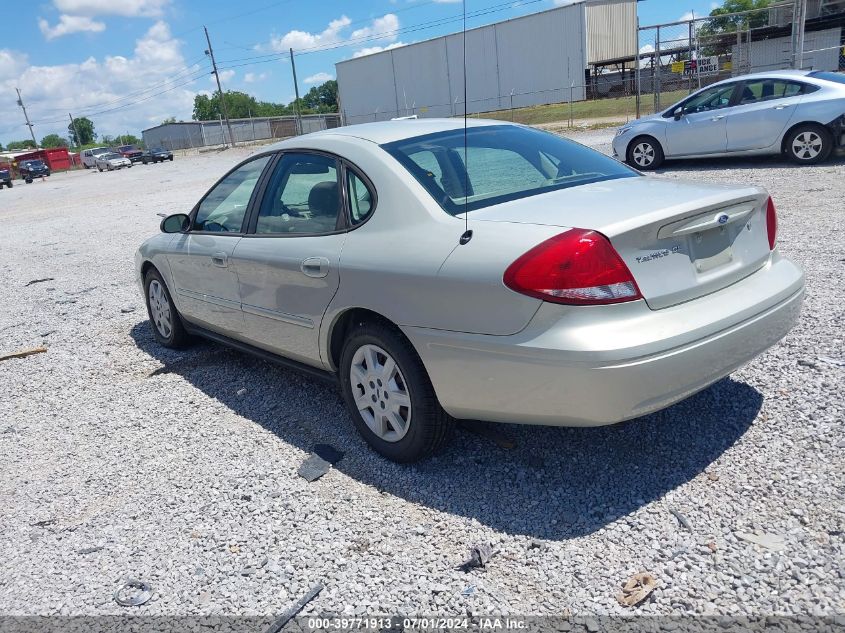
317 267
220 259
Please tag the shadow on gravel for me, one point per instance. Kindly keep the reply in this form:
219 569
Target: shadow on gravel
749 162
557 483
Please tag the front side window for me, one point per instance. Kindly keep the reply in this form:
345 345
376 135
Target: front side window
302 197
710 99
223 209
500 163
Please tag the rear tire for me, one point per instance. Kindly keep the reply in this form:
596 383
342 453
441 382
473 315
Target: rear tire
164 318
644 153
808 144
100 169
388 393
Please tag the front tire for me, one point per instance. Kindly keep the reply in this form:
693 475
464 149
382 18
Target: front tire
164 318
389 395
808 144
644 153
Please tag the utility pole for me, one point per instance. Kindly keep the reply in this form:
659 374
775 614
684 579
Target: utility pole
296 92
799 19
214 72
26 116
75 131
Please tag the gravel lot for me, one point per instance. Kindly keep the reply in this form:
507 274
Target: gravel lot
121 459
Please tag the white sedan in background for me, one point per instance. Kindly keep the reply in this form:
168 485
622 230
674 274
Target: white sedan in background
112 161
797 113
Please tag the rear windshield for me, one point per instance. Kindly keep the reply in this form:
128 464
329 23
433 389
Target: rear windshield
500 163
828 76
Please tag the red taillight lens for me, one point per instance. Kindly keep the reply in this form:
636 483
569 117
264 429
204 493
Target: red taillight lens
771 223
578 267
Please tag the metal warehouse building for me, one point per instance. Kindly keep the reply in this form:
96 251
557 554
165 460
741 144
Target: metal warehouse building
530 60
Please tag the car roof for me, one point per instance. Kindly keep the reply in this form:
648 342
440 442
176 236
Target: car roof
388 131
773 74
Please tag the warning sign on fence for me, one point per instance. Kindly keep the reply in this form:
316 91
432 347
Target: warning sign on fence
704 66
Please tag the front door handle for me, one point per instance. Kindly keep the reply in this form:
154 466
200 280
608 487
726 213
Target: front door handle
781 107
718 117
317 267
220 259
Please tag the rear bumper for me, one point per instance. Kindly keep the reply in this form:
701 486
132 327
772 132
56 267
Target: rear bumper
589 366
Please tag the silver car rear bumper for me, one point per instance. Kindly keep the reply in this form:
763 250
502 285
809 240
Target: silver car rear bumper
590 366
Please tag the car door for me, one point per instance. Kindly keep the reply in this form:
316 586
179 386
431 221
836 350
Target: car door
700 128
288 263
206 283
763 111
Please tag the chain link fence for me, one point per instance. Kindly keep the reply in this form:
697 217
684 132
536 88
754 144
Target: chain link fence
198 134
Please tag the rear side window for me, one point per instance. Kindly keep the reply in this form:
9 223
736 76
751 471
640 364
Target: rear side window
500 163
768 89
360 198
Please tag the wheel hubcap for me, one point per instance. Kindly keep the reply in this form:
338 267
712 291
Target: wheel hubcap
643 154
381 393
807 145
160 308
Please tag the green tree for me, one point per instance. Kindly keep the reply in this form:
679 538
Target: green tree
170 119
54 140
239 105
127 139
322 98
85 127
18 145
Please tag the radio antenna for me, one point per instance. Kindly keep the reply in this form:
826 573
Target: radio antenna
467 236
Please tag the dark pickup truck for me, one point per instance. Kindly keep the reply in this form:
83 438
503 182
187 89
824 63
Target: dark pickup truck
131 152
5 176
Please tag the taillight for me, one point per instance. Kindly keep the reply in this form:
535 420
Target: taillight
578 267
771 223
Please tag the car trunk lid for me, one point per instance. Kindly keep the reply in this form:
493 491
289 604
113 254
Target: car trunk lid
680 240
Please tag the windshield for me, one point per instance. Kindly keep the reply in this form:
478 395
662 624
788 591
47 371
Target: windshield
503 162
33 163
110 156
828 76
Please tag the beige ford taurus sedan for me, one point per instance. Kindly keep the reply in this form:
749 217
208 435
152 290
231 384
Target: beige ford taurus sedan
497 273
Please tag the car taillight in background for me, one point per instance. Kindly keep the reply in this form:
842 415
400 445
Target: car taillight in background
579 267
771 223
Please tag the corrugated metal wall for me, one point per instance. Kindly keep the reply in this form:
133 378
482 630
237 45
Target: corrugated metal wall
611 29
524 61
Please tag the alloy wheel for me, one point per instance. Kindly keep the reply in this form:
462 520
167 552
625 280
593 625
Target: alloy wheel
380 392
807 145
643 154
160 309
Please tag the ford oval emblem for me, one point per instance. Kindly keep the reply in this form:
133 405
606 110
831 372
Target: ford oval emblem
722 218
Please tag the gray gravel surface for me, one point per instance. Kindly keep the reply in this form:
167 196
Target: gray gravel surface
120 459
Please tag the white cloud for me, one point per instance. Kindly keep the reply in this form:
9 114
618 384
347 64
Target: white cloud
376 49
379 29
252 78
319 78
126 8
68 24
225 75
98 88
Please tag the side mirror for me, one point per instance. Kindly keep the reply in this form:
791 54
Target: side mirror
176 223
678 113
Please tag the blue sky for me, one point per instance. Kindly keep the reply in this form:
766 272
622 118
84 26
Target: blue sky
128 64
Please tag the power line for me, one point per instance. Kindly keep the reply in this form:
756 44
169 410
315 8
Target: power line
257 59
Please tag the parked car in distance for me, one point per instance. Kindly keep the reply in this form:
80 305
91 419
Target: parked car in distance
156 155
797 113
89 156
30 169
131 152
5 176
542 283
112 161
